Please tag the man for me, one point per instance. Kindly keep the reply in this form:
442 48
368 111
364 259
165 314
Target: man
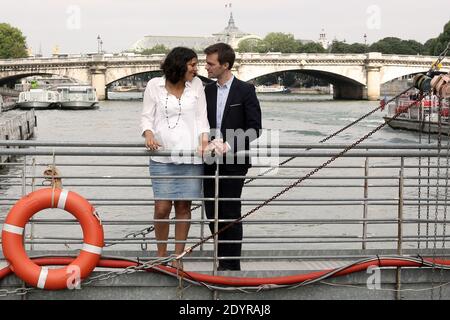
234 115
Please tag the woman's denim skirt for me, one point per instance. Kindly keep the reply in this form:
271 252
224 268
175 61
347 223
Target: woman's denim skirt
176 188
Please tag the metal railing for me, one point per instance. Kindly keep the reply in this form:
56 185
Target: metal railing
368 199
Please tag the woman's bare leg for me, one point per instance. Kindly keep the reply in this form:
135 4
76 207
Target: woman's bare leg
162 211
182 211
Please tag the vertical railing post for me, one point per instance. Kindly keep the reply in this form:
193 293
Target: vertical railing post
365 206
399 225
202 223
33 188
24 192
216 217
24 170
216 223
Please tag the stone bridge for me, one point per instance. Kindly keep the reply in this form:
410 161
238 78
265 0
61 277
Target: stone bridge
354 76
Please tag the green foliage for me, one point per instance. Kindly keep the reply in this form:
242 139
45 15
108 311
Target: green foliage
430 45
392 45
281 42
252 45
437 45
12 42
342 47
311 47
158 49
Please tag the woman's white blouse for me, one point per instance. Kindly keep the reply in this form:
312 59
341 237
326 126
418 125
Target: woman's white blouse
162 121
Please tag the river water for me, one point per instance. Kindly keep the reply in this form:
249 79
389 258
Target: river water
296 118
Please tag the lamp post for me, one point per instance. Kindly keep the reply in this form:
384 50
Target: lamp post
365 41
99 44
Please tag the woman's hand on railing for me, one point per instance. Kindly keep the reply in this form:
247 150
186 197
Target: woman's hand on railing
202 149
150 141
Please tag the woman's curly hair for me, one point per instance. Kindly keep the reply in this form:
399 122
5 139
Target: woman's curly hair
174 66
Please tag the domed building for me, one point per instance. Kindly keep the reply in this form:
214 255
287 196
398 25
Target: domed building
231 35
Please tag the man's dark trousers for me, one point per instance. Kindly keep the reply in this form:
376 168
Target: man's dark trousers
228 188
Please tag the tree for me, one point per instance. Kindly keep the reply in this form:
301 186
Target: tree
387 45
252 45
415 47
158 49
358 48
12 42
340 47
392 45
311 47
281 42
440 43
430 45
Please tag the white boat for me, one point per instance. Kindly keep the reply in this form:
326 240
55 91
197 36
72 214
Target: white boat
38 99
77 97
271 89
422 117
126 89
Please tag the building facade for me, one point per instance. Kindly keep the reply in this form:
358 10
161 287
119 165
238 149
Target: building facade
231 35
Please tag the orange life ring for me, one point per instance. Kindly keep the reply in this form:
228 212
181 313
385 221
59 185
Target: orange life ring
42 277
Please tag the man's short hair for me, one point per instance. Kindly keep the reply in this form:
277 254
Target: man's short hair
224 51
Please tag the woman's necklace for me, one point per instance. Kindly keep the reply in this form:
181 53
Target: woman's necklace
167 113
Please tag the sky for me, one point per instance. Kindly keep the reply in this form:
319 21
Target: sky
74 25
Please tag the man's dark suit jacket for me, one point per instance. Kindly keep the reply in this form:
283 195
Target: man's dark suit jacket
242 115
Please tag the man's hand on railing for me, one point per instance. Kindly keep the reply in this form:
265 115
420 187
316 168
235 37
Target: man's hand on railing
219 146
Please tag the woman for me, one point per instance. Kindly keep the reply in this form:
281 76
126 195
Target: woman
174 117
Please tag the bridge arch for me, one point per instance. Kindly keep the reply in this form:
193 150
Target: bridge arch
344 87
337 74
14 78
395 73
114 74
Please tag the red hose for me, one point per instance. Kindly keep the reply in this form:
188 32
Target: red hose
236 281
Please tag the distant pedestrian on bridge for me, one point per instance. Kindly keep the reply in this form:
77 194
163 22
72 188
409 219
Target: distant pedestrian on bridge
174 117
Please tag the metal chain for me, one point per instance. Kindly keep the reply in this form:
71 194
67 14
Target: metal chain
419 215
131 269
435 66
444 227
147 230
436 212
151 264
314 171
18 292
428 182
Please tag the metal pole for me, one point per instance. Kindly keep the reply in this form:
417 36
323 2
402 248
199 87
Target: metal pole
24 190
202 224
33 188
216 223
400 230
365 206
